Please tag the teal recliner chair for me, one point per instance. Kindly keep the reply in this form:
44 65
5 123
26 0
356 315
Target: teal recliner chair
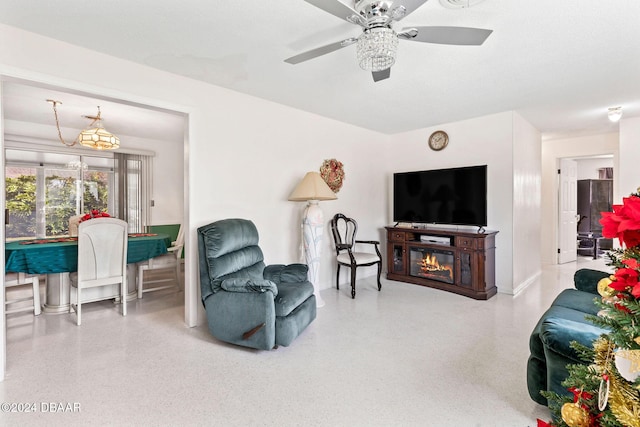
248 303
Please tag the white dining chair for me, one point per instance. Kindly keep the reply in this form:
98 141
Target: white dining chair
22 279
102 260
171 261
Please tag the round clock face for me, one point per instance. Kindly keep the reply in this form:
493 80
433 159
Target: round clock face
438 140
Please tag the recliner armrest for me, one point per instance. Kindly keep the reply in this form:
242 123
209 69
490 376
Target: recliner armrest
244 285
557 335
587 279
292 273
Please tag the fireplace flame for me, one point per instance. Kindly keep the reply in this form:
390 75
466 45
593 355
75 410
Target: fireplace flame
430 265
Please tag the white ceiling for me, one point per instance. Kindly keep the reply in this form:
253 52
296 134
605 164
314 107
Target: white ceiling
27 102
560 64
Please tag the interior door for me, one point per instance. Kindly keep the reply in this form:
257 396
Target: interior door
568 207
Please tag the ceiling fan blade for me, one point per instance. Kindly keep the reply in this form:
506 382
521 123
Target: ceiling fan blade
464 36
381 75
338 9
409 6
319 51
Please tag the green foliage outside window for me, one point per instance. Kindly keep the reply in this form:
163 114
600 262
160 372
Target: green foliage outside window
96 191
60 202
21 203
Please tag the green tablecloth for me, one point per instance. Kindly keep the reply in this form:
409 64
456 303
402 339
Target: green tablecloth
61 257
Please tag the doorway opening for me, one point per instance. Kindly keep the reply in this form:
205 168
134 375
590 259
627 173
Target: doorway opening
26 123
585 190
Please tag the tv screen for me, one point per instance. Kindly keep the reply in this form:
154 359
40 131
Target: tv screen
455 196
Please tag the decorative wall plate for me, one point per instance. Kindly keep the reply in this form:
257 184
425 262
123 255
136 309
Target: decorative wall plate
332 171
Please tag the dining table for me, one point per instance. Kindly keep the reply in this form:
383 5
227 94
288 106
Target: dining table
57 257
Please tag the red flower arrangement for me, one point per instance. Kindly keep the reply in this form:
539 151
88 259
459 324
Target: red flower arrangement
627 278
623 222
94 214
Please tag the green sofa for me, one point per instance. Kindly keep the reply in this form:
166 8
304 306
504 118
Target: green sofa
561 324
248 303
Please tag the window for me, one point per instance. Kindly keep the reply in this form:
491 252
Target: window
43 190
20 184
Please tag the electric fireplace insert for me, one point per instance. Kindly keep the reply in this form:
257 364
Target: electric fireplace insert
432 263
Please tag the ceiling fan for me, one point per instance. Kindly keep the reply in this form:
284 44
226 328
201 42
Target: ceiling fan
377 45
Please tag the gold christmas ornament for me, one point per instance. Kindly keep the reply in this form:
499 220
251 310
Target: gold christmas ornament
624 400
628 364
603 288
574 415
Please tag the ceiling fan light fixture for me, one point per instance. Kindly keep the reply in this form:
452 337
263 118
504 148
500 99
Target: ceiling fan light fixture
376 48
458 4
615 114
398 12
355 19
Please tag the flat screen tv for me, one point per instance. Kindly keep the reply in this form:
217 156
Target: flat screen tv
456 196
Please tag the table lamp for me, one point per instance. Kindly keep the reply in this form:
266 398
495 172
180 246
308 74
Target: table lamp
312 189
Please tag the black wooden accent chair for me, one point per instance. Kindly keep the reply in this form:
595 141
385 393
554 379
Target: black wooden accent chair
344 235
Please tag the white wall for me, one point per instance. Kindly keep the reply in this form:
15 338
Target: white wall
3 328
629 174
526 202
589 168
554 149
252 166
168 180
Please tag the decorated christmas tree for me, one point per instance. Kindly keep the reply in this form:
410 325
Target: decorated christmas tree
606 390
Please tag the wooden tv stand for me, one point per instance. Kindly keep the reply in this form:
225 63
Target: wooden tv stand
466 259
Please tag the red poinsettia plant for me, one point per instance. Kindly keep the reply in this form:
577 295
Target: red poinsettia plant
626 278
94 214
624 224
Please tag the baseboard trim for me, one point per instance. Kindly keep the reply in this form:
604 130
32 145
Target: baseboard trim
524 285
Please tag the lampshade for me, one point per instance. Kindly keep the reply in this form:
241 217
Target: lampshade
97 137
615 114
312 187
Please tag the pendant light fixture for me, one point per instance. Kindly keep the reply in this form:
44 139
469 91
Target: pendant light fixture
94 136
615 114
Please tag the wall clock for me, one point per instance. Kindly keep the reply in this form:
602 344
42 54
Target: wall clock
438 140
